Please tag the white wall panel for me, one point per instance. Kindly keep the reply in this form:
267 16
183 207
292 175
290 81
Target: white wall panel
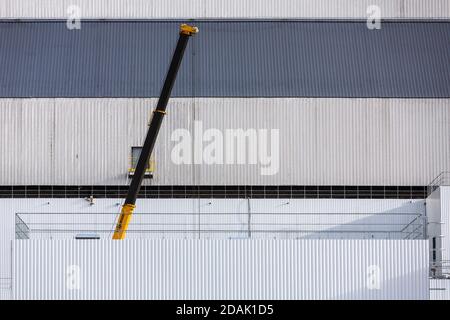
5 294
325 218
221 218
223 8
438 211
445 227
434 215
318 215
221 269
322 141
337 219
439 289
27 140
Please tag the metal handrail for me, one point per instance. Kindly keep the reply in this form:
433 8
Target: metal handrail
410 223
407 229
19 229
414 232
439 176
440 269
441 179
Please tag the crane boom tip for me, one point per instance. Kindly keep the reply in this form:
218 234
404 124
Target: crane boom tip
188 30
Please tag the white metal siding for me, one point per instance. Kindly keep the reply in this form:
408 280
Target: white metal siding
445 219
224 8
7 235
231 218
5 294
434 217
341 213
27 138
322 141
337 141
221 269
438 212
439 289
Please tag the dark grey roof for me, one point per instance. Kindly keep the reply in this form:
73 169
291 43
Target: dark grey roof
227 58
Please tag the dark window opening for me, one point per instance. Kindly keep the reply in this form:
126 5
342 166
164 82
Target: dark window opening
434 249
135 154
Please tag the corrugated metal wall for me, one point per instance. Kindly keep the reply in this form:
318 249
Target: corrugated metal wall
438 211
5 294
314 214
445 227
322 141
225 218
221 269
227 59
439 289
223 8
434 217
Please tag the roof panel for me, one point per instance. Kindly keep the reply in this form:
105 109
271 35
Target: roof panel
228 58
151 9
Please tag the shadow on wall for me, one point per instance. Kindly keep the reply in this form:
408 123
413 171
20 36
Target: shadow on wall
231 219
404 222
399 288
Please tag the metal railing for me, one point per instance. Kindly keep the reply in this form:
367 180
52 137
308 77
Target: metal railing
412 229
5 283
242 225
22 229
440 269
443 179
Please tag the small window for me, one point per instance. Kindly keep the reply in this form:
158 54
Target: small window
135 154
434 249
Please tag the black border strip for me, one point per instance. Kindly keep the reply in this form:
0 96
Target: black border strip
217 191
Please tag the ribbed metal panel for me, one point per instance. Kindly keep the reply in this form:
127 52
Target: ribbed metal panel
439 289
28 130
347 141
336 219
438 210
223 218
228 58
5 294
325 218
445 220
82 140
221 269
223 8
322 141
7 235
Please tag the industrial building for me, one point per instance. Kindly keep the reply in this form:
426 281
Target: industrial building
346 128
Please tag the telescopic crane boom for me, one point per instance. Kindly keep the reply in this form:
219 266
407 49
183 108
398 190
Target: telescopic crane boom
158 114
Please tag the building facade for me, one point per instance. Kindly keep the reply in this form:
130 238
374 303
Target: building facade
350 106
344 120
